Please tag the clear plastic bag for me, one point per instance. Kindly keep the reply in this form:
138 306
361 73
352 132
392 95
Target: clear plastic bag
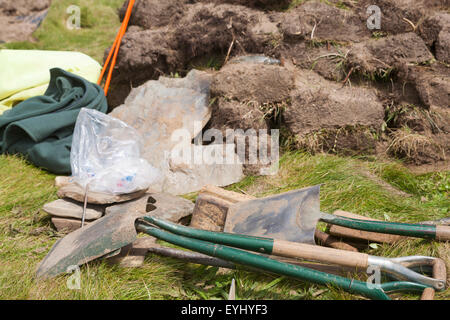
105 155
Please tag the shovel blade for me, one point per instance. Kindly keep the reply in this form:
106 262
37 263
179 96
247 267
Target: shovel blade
290 216
100 238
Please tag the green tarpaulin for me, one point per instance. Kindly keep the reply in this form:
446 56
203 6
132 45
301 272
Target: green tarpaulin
41 127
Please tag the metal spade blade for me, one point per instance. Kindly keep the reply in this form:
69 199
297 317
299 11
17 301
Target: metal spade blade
100 238
290 216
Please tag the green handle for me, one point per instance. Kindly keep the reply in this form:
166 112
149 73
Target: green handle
252 243
267 264
402 229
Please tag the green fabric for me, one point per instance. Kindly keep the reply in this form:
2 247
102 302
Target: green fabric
41 128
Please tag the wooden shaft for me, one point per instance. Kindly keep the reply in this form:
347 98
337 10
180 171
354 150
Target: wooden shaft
440 273
427 294
322 254
226 195
362 235
443 233
327 240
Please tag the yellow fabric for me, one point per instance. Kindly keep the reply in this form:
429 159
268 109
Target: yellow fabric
26 73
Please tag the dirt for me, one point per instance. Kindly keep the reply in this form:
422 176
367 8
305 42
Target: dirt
20 18
400 16
386 54
418 135
203 30
326 116
435 31
327 22
338 86
243 82
432 84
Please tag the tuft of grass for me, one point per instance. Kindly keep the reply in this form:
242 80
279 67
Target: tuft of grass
409 145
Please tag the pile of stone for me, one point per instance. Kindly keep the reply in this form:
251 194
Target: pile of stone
67 211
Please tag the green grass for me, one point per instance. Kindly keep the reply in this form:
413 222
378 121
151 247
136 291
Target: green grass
26 232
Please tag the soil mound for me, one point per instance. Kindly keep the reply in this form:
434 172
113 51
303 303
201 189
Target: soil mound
339 87
19 18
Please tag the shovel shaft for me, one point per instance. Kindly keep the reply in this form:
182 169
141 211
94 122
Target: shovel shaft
256 244
267 264
403 229
316 253
302 250
269 246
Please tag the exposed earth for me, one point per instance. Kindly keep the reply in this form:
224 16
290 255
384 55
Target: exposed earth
19 18
340 87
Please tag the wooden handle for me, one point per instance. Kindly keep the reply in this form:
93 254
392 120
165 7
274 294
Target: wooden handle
322 254
440 273
443 233
329 241
362 235
226 195
427 294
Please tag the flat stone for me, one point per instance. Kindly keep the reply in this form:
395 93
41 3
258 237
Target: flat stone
65 225
170 207
133 255
76 192
62 181
66 208
158 110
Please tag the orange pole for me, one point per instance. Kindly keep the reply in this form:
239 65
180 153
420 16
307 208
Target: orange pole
115 48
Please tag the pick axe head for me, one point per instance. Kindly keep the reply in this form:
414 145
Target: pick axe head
290 216
100 238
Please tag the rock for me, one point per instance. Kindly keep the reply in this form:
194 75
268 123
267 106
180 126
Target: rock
75 192
168 114
133 255
171 208
62 181
66 225
66 208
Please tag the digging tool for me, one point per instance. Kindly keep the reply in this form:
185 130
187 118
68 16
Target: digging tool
293 216
391 266
439 272
263 263
116 230
101 237
199 258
